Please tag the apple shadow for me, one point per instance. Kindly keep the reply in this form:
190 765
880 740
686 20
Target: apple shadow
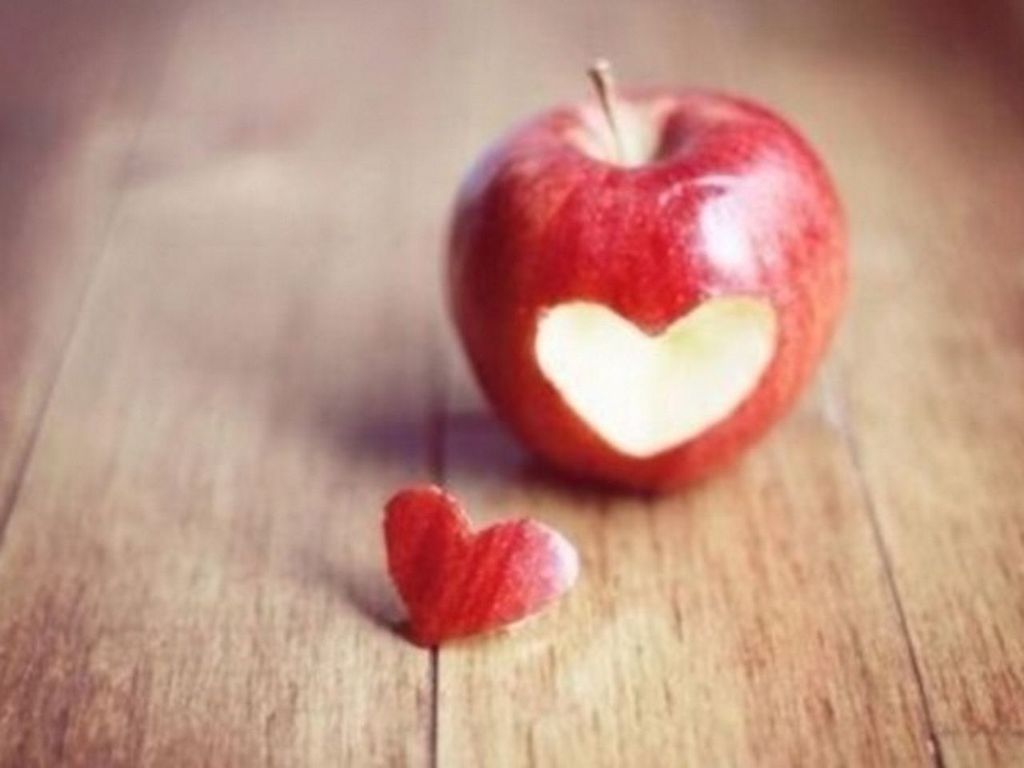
366 589
467 447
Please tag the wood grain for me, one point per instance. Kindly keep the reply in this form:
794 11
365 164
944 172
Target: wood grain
939 429
73 88
222 345
746 622
996 751
192 572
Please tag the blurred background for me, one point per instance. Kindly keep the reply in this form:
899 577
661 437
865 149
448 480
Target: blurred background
223 342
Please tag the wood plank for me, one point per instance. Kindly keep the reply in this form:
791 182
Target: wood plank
981 751
193 574
747 621
751 620
933 354
73 89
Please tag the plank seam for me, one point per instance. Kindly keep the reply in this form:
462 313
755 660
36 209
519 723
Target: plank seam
436 435
90 281
844 427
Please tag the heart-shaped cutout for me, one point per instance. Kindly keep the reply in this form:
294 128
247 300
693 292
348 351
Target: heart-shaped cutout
455 582
645 394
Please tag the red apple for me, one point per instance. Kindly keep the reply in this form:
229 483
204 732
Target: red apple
644 285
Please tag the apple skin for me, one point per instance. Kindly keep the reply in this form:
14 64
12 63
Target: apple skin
541 220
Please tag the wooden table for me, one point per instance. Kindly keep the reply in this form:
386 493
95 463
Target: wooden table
223 344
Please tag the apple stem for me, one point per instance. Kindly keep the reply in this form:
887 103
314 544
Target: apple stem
600 73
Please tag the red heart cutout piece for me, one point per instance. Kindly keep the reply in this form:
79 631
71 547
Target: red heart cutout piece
455 582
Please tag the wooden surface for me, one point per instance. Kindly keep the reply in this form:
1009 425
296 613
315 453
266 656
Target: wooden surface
222 345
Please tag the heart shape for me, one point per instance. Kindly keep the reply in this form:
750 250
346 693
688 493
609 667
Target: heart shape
644 394
455 582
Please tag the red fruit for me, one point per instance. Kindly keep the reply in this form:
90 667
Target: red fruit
455 582
641 314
